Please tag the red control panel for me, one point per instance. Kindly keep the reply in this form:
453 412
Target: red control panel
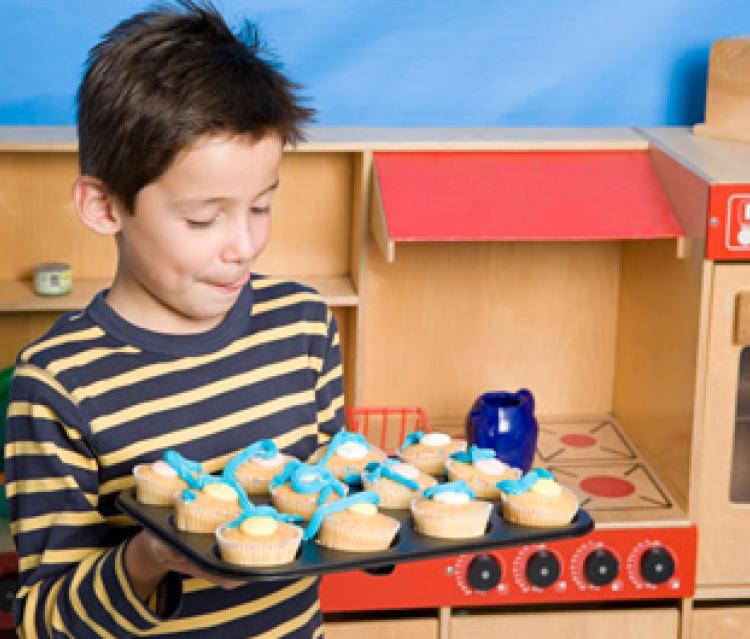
728 233
606 565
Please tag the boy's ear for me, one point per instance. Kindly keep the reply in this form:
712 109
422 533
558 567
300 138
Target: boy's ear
96 207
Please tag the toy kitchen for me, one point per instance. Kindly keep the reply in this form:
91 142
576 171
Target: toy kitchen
606 270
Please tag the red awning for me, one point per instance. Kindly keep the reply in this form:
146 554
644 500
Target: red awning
558 195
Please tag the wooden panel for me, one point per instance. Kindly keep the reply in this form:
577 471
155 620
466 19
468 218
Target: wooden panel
657 342
38 221
311 216
448 321
721 622
382 629
724 526
573 624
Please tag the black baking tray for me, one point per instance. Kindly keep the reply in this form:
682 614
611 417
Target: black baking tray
314 559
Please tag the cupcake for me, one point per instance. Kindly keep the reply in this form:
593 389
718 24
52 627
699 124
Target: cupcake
300 488
208 504
429 451
537 500
481 470
157 483
353 524
256 466
259 537
395 482
346 455
449 511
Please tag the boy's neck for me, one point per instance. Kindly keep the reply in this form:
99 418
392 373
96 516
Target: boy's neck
135 305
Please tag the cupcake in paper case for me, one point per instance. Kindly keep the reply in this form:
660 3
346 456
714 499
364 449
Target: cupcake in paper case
301 488
255 466
449 511
346 455
353 524
537 500
429 451
481 470
395 482
207 504
157 483
260 536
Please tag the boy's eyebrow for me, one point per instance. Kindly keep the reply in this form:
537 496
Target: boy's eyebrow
189 203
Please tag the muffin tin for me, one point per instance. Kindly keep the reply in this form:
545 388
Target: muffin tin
314 559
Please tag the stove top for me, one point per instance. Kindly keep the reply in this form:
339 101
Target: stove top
596 459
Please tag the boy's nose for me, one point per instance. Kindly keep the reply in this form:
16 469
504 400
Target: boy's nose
240 244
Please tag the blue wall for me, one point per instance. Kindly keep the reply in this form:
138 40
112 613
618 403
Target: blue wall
414 63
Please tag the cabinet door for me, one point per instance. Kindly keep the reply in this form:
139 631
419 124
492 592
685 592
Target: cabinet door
383 629
630 623
722 622
722 448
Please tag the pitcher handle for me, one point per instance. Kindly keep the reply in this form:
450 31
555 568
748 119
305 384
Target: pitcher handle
526 394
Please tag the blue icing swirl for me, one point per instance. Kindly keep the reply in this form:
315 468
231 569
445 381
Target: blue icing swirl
519 486
473 455
263 511
265 449
204 479
186 469
337 506
412 438
376 470
322 480
459 486
342 437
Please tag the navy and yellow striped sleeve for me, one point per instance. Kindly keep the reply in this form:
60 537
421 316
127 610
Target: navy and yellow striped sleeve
72 580
329 388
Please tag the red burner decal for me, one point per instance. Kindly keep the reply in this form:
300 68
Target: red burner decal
606 486
578 440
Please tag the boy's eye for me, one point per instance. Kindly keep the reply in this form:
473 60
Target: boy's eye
260 210
199 224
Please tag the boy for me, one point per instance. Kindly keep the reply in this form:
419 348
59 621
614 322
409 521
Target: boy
181 127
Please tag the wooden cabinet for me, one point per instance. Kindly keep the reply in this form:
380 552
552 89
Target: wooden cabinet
721 622
626 623
383 629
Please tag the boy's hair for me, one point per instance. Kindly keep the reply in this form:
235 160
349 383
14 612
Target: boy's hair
163 78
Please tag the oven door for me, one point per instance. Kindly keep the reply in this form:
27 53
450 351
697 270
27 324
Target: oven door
722 447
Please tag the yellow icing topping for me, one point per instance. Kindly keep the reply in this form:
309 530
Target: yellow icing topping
259 526
364 509
221 491
546 488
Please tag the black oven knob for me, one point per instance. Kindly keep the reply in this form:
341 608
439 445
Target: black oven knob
542 569
483 572
657 565
600 567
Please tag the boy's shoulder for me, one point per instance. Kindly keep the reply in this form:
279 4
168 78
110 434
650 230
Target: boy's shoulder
278 291
71 332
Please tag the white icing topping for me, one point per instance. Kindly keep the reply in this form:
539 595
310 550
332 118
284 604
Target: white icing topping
351 450
364 509
547 488
259 526
274 461
491 466
435 439
405 470
451 497
163 469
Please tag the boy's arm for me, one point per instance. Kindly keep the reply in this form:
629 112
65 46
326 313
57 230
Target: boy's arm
329 388
72 577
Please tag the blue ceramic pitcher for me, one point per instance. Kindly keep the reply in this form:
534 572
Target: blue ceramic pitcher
505 422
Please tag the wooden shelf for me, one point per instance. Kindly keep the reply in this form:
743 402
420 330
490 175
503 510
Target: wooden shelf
19 297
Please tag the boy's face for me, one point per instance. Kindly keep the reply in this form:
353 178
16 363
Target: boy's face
187 250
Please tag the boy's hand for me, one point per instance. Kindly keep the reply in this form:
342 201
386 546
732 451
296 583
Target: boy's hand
148 559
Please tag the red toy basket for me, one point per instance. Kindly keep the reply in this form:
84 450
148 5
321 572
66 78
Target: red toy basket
386 427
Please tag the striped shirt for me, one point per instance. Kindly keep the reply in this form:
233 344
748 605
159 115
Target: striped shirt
97 395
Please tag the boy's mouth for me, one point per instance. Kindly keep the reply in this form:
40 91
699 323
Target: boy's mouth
232 286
